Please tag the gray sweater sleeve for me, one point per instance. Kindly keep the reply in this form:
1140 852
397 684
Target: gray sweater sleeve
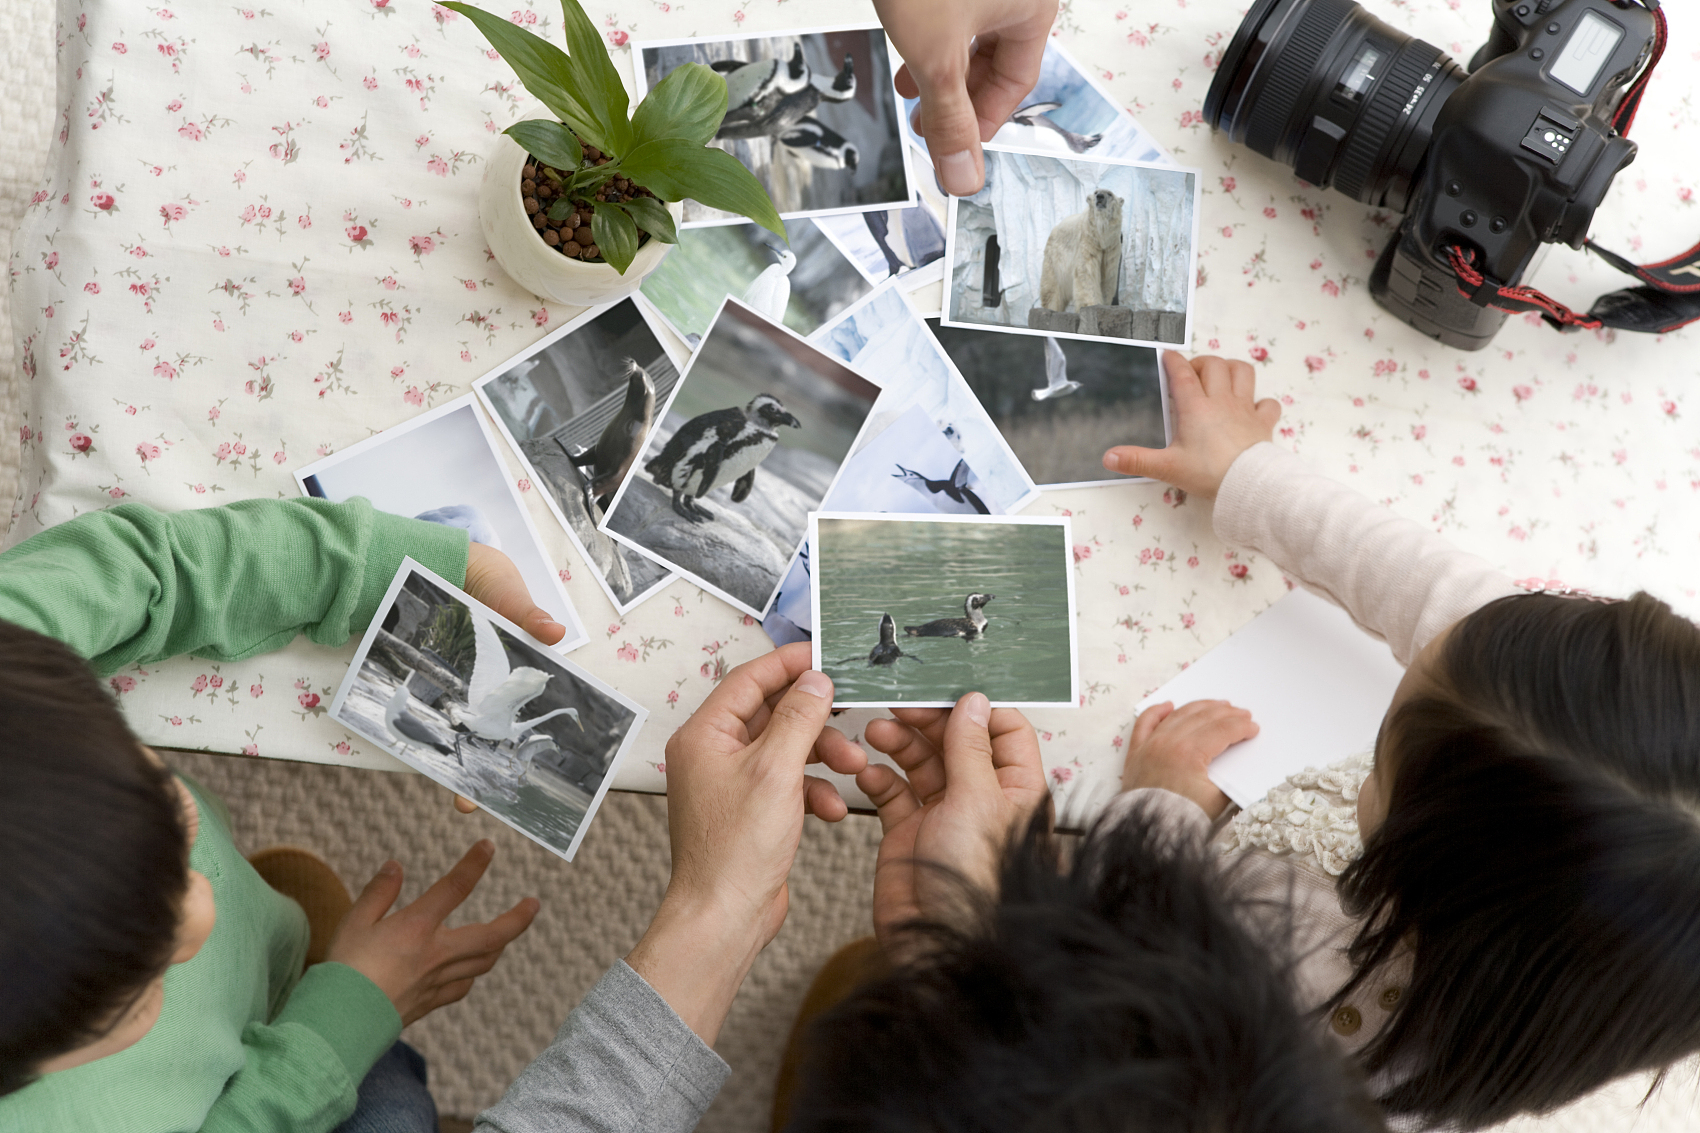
623 1062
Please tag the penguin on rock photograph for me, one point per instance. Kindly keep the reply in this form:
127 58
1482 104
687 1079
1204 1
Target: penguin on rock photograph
755 434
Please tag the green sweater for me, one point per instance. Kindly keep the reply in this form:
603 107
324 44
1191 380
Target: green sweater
244 1041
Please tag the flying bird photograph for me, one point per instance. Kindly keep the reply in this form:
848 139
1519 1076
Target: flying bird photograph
922 609
754 436
812 114
576 409
461 694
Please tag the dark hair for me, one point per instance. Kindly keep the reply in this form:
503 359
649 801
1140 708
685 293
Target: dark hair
95 851
1123 991
1541 854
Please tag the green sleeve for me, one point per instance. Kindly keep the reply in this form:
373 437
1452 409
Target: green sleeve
129 584
302 1071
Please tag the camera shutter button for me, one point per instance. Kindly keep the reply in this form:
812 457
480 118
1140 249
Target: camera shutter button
1454 189
1497 225
1468 218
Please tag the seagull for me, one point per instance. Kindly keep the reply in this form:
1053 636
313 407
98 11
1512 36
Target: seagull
497 691
1036 115
409 729
1056 373
955 490
770 291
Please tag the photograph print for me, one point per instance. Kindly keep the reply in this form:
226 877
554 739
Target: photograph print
1070 247
898 243
812 114
1061 402
802 281
443 467
751 442
458 692
576 409
921 610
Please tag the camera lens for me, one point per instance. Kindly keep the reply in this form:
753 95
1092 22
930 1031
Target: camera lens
1325 87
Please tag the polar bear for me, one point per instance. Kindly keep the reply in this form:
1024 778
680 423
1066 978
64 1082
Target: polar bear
1083 256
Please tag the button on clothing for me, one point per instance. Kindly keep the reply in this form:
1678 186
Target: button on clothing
1390 998
1347 1020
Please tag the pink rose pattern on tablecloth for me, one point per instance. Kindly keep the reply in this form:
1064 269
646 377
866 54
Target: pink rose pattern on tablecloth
259 242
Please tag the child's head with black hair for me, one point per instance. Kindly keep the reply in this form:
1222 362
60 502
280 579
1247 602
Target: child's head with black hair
1126 989
1532 837
98 898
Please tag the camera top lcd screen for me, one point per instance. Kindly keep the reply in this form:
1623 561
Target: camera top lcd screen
1589 49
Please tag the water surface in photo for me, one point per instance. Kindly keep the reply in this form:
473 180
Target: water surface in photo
919 572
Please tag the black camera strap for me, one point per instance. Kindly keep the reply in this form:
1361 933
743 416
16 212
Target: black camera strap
1670 297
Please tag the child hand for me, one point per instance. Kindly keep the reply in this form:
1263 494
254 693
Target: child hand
1172 749
1217 417
412 958
492 578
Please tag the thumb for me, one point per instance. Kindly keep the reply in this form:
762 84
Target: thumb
379 895
492 578
1269 412
952 130
798 718
968 746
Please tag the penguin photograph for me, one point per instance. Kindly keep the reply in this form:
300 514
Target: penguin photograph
1056 400
753 438
812 114
458 692
576 409
922 609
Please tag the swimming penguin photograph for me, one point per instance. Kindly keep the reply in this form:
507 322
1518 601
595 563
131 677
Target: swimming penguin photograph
576 408
752 440
456 691
443 466
920 610
812 114
802 281
1060 402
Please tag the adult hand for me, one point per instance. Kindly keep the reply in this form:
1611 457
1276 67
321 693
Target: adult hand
1217 417
492 578
412 958
970 62
973 775
1172 749
736 797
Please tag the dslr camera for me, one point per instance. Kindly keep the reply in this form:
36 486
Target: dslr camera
1488 166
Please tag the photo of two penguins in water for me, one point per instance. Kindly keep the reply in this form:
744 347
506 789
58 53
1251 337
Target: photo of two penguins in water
971 626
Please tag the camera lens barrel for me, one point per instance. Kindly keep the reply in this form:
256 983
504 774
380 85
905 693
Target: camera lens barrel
1333 92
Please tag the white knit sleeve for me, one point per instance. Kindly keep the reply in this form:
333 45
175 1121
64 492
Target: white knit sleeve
1398 580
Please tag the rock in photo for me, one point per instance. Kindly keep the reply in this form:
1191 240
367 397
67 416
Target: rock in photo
755 434
925 609
812 114
1074 247
1060 402
577 411
458 692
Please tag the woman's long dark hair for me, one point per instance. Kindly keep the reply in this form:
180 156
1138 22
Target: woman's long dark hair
94 856
1541 856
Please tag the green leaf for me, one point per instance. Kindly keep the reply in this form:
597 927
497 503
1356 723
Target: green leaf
689 103
616 235
599 84
550 141
561 208
546 71
675 169
652 216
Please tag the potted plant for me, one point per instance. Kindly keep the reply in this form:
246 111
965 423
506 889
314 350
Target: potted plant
606 186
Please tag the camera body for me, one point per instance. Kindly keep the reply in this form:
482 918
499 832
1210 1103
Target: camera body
1515 155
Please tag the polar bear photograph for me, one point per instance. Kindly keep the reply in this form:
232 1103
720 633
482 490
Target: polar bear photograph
1075 247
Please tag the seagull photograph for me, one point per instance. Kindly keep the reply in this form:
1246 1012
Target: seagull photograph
813 116
452 691
754 435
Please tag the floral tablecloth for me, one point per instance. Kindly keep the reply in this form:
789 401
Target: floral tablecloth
258 243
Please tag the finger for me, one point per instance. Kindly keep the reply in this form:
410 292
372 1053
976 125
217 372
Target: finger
1012 736
919 758
1223 730
1269 412
495 935
905 83
798 718
1148 721
835 750
1131 460
449 993
467 969
1213 375
950 124
380 893
968 745
492 578
822 799
464 804
890 793
743 692
449 890
1014 70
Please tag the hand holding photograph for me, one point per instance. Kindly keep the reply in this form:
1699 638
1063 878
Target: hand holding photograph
750 442
1070 247
456 691
921 610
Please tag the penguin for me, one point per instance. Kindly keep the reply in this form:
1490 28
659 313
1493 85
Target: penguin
605 465
887 652
991 291
907 237
971 627
751 82
818 144
955 489
716 447
1057 383
764 105
1037 115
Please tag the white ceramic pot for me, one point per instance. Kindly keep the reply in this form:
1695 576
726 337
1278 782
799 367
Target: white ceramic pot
534 265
